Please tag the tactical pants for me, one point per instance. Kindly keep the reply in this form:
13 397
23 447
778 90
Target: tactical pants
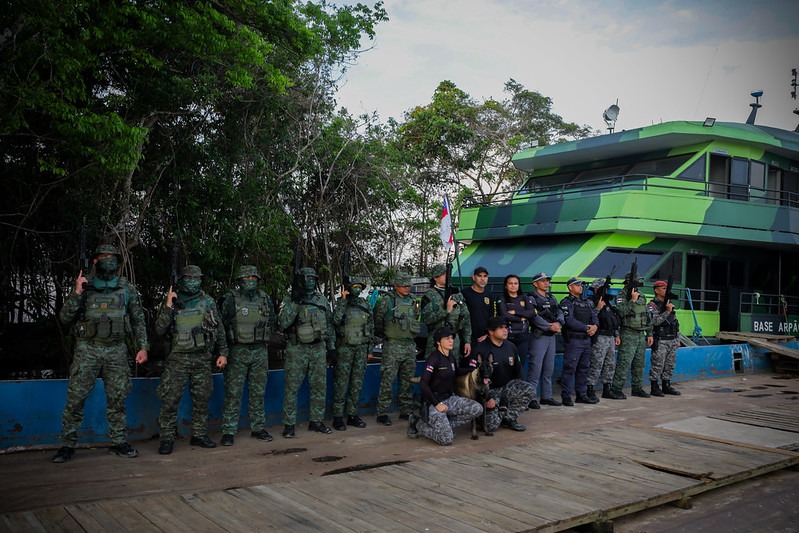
542 364
661 364
109 362
348 380
302 360
631 351
181 367
522 343
399 359
576 362
439 425
514 396
248 362
603 359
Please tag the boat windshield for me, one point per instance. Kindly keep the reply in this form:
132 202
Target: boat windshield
618 261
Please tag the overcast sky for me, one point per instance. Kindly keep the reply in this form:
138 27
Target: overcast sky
670 60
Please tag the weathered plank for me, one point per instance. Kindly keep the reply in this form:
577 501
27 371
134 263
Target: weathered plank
170 513
128 517
57 519
92 517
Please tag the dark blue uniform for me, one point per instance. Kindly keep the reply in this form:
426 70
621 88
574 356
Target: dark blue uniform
578 315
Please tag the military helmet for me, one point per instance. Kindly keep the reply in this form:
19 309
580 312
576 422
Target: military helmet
107 249
597 283
192 270
246 271
402 279
437 270
308 271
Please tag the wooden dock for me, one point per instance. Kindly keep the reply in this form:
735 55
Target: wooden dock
552 484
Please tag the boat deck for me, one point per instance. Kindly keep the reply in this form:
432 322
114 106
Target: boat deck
574 466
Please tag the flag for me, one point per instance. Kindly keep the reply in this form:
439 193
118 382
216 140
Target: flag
445 230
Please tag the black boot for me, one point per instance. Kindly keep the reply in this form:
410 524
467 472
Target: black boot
668 389
640 392
611 394
338 423
656 390
591 394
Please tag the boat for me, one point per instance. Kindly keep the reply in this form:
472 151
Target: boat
713 204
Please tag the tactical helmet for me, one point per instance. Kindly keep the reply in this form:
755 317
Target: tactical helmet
437 270
402 279
192 270
308 271
597 283
107 249
246 271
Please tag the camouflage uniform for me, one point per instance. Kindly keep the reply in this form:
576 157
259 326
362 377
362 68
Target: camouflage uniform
397 322
309 328
664 349
439 426
196 329
434 314
354 321
635 329
112 310
249 318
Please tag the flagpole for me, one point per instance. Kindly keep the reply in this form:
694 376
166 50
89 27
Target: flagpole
455 245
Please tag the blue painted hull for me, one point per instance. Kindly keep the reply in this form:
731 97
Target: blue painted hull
30 411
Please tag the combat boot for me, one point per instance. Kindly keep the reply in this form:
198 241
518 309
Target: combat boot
656 390
640 392
591 394
668 389
288 431
613 394
338 423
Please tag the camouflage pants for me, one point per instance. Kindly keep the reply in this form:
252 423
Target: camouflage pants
514 396
661 364
90 362
542 364
302 360
603 359
181 367
576 362
439 426
348 380
399 359
632 355
248 362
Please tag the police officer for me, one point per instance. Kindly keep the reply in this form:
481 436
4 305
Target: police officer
248 315
306 318
193 320
580 325
397 322
454 314
603 349
547 322
508 389
636 336
354 322
666 329
481 304
98 309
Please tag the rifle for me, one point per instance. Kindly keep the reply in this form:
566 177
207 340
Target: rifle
602 292
669 295
173 278
345 269
632 283
84 259
298 284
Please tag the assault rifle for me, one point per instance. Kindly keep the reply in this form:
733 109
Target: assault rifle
632 282
84 261
298 284
670 295
602 292
173 277
345 269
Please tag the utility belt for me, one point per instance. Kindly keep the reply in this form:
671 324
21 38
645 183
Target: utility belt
292 339
606 332
639 330
577 336
666 337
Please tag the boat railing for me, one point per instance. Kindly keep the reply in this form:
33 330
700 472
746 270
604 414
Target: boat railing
768 304
702 299
537 191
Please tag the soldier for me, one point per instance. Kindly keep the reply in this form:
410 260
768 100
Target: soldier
454 313
306 318
444 410
636 335
481 304
249 318
193 321
603 350
579 326
98 309
546 324
353 319
666 329
508 389
397 322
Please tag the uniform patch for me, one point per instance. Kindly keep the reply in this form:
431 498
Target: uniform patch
429 368
486 300
510 361
245 311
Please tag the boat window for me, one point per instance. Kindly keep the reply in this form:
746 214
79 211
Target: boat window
790 189
547 183
618 261
739 179
661 167
695 172
600 173
672 266
717 177
773 182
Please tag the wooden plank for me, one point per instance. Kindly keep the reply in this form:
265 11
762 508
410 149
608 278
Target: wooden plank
223 509
129 518
773 451
92 517
760 342
23 521
772 423
57 519
274 497
170 513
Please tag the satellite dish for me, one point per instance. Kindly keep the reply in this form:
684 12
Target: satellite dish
611 113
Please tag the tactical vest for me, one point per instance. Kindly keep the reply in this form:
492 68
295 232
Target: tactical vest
250 325
668 328
609 321
188 334
104 322
581 310
545 306
637 316
402 320
310 324
356 326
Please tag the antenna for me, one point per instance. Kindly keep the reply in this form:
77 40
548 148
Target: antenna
793 95
755 106
610 115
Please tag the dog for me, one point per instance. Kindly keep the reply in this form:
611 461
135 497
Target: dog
476 385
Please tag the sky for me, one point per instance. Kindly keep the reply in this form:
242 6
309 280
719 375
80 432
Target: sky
662 61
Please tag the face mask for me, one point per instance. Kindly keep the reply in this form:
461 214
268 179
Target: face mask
107 267
310 283
249 285
190 286
355 292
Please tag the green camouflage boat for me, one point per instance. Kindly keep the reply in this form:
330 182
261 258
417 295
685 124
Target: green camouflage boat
716 205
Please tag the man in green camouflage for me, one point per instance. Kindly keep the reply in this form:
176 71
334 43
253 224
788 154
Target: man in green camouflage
455 314
100 309
636 337
192 319
354 322
306 318
249 318
397 322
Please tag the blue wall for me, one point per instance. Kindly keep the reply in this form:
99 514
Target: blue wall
30 411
